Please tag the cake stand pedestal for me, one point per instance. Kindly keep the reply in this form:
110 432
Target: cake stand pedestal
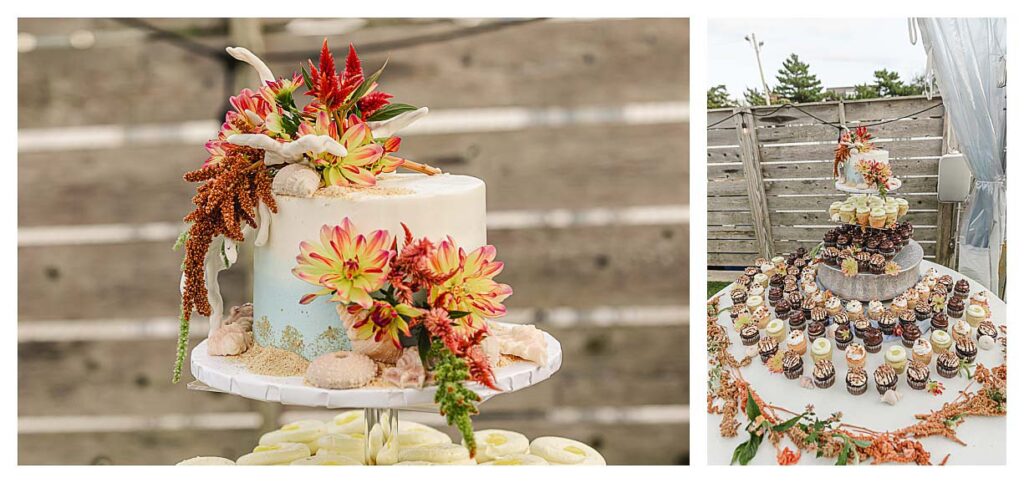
868 286
867 191
984 437
380 404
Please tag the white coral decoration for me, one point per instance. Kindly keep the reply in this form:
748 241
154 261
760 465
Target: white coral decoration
891 397
296 180
408 371
245 55
524 341
390 127
277 152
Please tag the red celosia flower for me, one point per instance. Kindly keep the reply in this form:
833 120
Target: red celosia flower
373 101
327 85
787 457
479 367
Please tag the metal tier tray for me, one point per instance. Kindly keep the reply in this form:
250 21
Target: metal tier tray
868 286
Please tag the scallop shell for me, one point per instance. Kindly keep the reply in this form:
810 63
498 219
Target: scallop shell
408 371
986 342
230 340
340 370
240 314
806 382
891 397
296 180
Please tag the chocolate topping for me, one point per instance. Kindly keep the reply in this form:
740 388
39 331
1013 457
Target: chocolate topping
885 375
872 336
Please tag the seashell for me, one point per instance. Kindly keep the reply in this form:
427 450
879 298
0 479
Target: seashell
230 340
891 397
408 370
240 314
986 342
830 332
380 351
524 341
752 351
341 370
806 382
296 180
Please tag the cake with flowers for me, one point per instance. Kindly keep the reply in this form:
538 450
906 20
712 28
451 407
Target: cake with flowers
860 165
370 270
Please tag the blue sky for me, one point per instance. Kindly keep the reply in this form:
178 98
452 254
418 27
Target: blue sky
842 52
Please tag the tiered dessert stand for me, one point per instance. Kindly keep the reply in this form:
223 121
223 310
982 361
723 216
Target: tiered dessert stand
380 404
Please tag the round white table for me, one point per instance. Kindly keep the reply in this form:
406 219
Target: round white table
985 437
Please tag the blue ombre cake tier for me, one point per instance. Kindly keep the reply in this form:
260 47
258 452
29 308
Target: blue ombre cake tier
432 206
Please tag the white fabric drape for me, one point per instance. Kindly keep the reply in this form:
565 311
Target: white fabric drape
968 59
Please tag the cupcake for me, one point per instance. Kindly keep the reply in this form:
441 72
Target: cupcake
831 256
750 335
981 298
857 381
887 323
819 315
966 349
986 327
962 330
821 349
911 334
947 281
975 314
760 316
860 326
873 340
792 365
856 355
877 264
864 215
843 337
941 341
962 288
847 213
808 307
840 319
854 309
902 207
898 305
834 306
887 249
782 308
863 261
896 356
922 351
776 329
891 212
796 320
908 318
955 307
824 374
793 296
774 295
940 321
947 365
875 309
738 310
755 301
885 378
829 239
815 330
760 279
871 245
917 375
922 310
796 341
767 347
739 295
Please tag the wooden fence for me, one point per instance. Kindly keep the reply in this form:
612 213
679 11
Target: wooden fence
592 227
770 174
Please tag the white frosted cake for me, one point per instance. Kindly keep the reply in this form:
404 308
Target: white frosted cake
433 206
851 177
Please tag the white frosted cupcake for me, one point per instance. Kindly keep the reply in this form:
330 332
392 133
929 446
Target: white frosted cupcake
975 314
922 351
821 349
854 309
492 444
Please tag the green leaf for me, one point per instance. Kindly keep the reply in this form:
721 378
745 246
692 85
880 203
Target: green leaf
784 426
423 344
843 455
180 241
752 410
363 88
745 452
306 78
862 444
457 314
389 111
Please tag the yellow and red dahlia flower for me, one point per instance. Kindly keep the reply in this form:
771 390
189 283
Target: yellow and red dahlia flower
469 286
344 263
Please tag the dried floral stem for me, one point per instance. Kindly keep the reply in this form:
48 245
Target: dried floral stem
421 168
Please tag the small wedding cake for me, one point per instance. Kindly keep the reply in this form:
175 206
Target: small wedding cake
859 165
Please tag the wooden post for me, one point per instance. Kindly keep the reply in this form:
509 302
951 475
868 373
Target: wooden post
947 229
750 153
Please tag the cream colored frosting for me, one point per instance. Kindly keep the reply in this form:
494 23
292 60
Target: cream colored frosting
940 337
821 346
922 347
775 326
795 337
856 351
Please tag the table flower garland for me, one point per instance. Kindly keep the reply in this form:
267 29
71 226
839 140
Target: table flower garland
730 394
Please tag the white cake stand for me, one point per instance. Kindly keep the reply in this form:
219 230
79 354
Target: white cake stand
380 404
867 191
985 437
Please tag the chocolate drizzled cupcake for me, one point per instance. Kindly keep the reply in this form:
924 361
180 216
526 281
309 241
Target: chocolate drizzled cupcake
908 317
843 336
767 347
986 327
736 310
863 261
962 288
749 334
818 314
857 381
782 309
940 321
751 271
776 280
947 365
966 349
738 295
887 323
796 320
872 340
860 327
887 249
947 281
871 245
885 378
794 298
808 307
792 365
922 311
824 374
815 330
910 335
840 319
877 264
955 307
842 241
831 256
917 375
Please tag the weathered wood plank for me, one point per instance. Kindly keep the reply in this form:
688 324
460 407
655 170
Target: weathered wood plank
804 186
730 259
572 167
855 111
911 128
822 218
721 137
916 202
729 154
618 443
579 267
595 61
751 156
914 148
727 203
817 169
730 218
645 364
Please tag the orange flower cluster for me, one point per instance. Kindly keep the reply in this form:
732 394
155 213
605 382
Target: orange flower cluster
229 196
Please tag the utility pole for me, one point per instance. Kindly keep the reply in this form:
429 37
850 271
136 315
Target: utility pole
752 38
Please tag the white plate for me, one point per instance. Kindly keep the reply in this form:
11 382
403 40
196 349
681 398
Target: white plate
230 375
867 191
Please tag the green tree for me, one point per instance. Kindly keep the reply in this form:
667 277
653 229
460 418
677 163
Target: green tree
718 97
796 83
753 97
888 84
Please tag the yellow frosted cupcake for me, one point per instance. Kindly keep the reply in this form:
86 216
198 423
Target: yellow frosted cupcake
876 217
891 213
821 349
896 356
847 212
833 209
975 314
941 341
864 215
902 205
776 329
